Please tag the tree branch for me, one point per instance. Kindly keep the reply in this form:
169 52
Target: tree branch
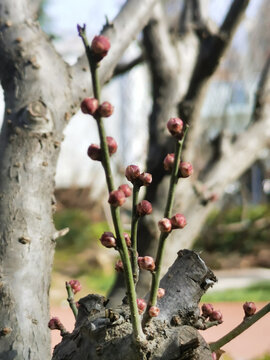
125 67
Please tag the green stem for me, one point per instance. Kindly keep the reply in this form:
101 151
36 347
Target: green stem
121 244
134 231
244 325
163 236
70 300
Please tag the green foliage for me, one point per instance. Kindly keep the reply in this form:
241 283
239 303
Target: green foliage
256 292
264 357
82 231
245 241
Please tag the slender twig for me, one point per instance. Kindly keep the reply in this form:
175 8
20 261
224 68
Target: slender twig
244 325
163 236
134 230
121 244
70 300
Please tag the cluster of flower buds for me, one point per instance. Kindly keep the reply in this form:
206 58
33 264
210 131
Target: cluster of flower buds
75 286
153 311
185 168
249 308
176 127
55 324
94 150
146 263
134 175
141 303
208 311
126 189
144 208
91 106
178 221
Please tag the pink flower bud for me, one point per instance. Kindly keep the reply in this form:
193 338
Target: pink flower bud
160 293
207 310
89 106
165 225
116 198
214 356
249 308
55 324
75 286
100 47
216 316
153 311
178 221
145 179
175 127
144 208
108 240
132 173
105 109
127 239
146 263
94 152
168 162
119 266
112 144
126 189
141 303
185 169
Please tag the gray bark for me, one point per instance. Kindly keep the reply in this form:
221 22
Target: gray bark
41 94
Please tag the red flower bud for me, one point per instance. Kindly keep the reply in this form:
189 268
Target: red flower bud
160 293
116 198
127 239
178 221
112 144
94 152
89 106
216 316
153 311
249 308
105 109
175 127
207 310
108 240
132 173
168 162
119 266
185 169
100 47
55 324
146 263
165 225
141 303
126 189
75 286
145 179
144 208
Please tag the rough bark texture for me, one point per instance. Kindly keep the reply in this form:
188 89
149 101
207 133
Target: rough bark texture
106 334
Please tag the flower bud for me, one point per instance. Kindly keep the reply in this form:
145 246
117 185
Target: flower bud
178 221
127 239
100 46
160 293
207 310
126 189
89 106
146 263
75 286
214 356
144 208
216 316
116 198
144 179
165 225
185 169
94 152
168 162
132 172
141 303
249 308
105 109
108 240
153 311
55 324
175 127
112 144
119 266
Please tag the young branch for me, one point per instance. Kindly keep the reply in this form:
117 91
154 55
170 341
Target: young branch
125 67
